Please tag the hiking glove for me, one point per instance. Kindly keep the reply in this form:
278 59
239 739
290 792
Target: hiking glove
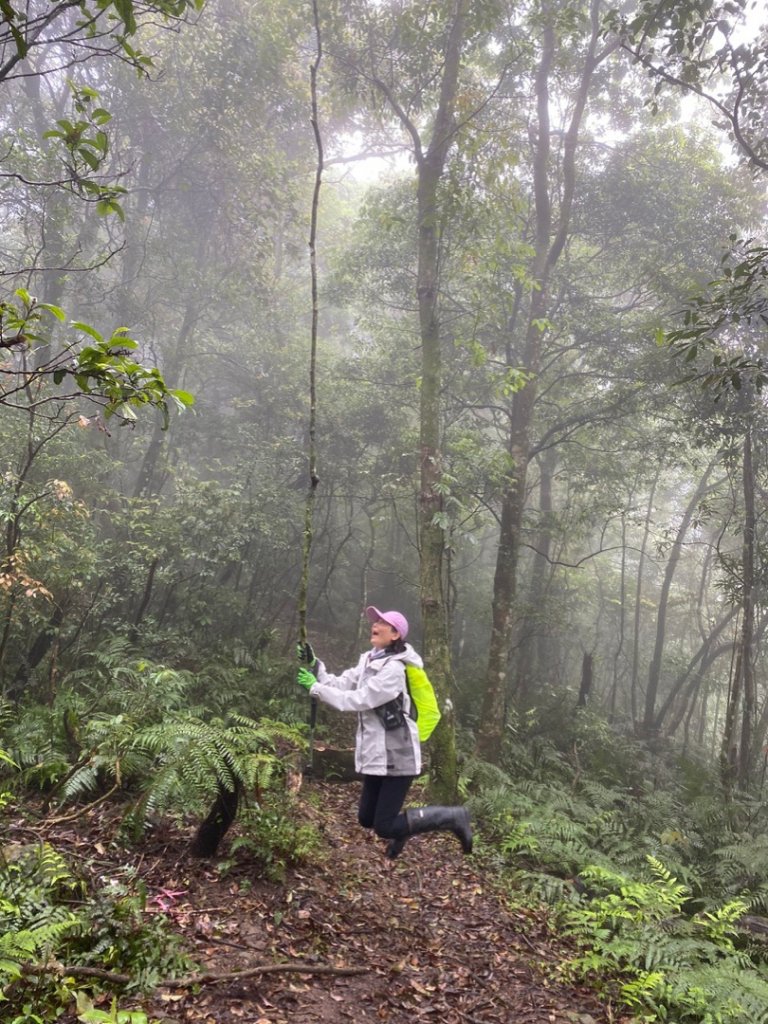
306 656
305 678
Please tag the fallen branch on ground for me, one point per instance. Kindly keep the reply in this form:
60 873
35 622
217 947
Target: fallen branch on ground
81 810
202 978
211 977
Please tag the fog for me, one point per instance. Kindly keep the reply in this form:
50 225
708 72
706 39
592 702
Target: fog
502 416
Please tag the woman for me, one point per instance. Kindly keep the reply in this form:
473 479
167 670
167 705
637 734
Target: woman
387 748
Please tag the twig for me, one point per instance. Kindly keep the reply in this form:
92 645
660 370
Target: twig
209 910
76 972
82 810
527 941
212 977
202 978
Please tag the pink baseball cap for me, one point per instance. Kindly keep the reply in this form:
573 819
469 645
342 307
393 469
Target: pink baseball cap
394 619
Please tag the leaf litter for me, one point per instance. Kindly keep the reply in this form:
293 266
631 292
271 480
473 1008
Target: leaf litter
356 937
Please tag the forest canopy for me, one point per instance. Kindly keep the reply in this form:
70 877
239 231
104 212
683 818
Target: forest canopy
522 397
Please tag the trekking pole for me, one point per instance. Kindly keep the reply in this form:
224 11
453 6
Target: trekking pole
310 768
312 448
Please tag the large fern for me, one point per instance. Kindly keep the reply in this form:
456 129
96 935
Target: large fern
47 913
638 942
193 759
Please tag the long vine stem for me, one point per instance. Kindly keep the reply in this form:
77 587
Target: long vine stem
312 448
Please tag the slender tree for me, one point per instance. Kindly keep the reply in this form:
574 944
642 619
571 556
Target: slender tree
551 228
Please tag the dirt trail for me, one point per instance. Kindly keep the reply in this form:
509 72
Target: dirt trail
430 937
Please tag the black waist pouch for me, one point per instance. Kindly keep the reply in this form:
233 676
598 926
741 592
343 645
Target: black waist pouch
391 714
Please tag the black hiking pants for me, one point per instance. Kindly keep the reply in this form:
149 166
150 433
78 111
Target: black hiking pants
381 802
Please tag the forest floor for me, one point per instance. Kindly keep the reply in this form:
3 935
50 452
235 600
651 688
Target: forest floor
354 938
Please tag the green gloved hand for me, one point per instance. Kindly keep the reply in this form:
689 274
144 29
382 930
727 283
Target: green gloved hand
305 678
305 655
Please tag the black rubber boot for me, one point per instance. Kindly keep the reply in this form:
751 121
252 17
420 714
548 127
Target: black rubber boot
439 819
395 847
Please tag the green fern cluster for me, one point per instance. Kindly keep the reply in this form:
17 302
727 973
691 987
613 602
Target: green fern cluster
639 945
570 819
129 726
651 880
716 993
116 932
47 914
544 827
34 919
193 758
741 865
275 837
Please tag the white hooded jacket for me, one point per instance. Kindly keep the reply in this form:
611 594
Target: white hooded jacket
374 681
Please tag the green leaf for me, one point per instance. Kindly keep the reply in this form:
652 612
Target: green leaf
106 206
56 311
120 341
125 9
184 398
10 15
92 161
78 325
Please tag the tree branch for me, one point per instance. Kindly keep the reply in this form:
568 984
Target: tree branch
202 978
732 116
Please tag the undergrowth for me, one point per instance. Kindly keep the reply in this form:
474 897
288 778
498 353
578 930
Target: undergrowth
649 875
48 916
137 734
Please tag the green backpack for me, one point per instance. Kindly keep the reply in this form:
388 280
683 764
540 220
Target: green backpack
424 709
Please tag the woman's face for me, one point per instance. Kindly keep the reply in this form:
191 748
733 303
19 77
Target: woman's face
382 634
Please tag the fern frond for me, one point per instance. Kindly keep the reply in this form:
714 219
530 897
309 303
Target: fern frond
19 947
194 759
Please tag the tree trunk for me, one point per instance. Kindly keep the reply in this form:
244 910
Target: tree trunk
586 680
746 753
617 654
151 476
42 644
654 672
549 243
533 635
635 677
431 527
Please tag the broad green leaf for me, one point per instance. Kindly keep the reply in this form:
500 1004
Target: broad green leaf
78 325
92 161
182 397
56 311
125 9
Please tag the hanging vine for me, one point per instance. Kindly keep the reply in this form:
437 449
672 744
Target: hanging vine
312 447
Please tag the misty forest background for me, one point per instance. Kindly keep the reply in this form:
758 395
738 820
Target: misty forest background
540 432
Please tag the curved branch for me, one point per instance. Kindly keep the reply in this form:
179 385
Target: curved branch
731 116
